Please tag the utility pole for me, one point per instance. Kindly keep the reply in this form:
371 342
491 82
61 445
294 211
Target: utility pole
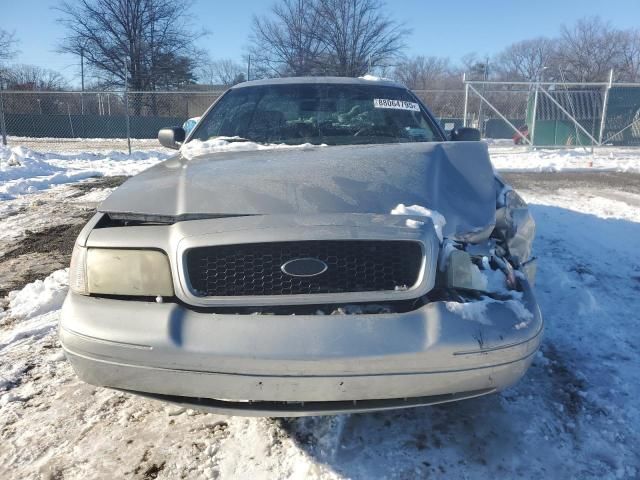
249 68
126 103
3 125
466 99
82 80
484 69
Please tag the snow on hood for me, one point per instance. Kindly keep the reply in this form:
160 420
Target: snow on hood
436 217
374 78
195 148
454 179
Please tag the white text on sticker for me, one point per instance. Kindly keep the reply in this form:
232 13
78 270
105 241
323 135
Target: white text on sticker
396 104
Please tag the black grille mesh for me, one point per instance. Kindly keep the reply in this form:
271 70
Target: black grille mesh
254 269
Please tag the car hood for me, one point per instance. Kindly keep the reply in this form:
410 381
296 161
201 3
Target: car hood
454 178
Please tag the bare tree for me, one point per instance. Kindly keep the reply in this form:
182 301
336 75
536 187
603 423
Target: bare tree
629 68
468 61
31 77
224 71
148 41
526 60
286 42
588 50
423 73
313 37
359 35
8 44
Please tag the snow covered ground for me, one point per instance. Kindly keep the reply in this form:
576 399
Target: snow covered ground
574 415
25 171
507 157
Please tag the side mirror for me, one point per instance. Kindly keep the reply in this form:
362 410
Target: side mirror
465 134
171 137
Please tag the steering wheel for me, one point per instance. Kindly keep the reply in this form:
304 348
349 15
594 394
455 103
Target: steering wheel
373 130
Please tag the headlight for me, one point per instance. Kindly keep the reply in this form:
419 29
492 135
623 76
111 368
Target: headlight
120 272
462 273
458 271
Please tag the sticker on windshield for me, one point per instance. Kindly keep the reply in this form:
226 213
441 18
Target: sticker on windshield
396 104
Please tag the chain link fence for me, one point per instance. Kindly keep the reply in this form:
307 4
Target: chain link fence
550 114
60 120
538 114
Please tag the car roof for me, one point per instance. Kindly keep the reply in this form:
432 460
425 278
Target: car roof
367 80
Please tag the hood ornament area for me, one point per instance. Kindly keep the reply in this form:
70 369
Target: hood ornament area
304 267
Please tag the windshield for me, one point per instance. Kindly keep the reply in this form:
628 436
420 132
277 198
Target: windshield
332 114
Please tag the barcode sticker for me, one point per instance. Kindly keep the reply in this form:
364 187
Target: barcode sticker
395 104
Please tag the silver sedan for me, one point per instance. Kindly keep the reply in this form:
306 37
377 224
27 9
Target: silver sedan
316 246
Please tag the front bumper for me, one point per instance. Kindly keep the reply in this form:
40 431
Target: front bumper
297 364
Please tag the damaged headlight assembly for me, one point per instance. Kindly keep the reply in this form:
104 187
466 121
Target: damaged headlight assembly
127 272
509 215
461 273
459 270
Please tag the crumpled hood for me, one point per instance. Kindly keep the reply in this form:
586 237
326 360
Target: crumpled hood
453 178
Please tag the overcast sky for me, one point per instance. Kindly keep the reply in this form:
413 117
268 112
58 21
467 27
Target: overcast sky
443 28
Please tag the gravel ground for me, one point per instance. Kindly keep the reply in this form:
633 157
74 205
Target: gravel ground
592 181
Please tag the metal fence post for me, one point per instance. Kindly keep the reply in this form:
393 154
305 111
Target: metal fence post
126 104
605 103
3 125
534 114
466 100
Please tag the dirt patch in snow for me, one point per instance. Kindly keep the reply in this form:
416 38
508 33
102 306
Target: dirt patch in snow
100 182
55 240
40 229
567 385
39 253
590 181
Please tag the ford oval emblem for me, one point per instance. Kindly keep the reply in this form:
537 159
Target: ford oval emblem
304 267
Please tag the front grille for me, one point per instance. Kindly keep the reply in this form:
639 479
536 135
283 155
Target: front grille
254 269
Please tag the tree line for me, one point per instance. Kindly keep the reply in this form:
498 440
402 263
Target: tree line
151 45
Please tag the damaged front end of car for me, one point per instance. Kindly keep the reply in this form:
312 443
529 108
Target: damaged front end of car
185 294
470 267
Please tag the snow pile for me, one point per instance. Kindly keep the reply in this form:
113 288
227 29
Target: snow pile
476 311
33 314
496 281
416 210
39 297
20 162
24 171
521 159
195 148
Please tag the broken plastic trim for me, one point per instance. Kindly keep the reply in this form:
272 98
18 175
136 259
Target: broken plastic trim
355 309
118 219
368 308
